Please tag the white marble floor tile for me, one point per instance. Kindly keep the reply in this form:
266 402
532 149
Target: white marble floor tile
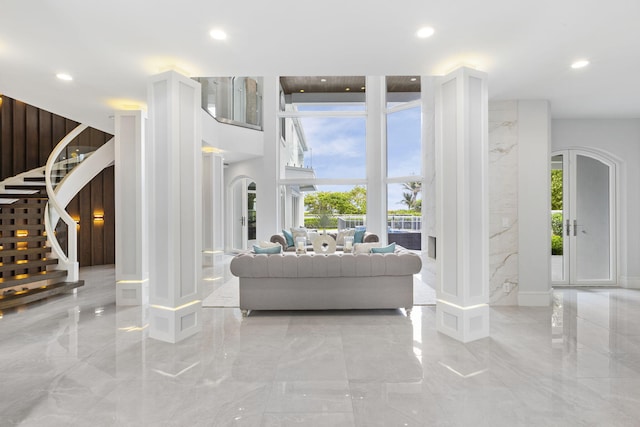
78 359
309 397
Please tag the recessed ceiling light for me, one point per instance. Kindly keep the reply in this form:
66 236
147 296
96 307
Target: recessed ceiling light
64 76
218 35
362 88
323 80
425 32
413 79
580 64
347 89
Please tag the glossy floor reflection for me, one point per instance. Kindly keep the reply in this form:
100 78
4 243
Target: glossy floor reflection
80 360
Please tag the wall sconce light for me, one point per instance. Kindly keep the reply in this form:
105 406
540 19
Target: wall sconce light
98 217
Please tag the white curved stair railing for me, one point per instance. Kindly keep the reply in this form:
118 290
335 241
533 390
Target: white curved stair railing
63 193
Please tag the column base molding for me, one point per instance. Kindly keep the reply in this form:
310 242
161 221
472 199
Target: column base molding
132 292
535 299
464 324
175 324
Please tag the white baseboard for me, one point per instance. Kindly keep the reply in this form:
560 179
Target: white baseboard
630 282
535 299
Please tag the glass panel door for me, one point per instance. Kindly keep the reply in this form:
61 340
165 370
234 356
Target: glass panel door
559 262
592 225
239 215
582 219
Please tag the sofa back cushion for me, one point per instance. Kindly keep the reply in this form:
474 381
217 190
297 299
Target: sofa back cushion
365 248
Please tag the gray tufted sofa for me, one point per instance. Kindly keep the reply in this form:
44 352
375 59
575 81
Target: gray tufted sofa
326 282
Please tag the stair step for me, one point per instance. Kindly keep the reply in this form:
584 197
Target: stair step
23 279
22 252
29 264
17 197
14 239
25 297
33 179
32 186
14 192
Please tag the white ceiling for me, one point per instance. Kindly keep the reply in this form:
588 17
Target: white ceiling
526 47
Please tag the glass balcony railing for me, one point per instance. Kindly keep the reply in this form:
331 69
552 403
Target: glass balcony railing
68 159
233 100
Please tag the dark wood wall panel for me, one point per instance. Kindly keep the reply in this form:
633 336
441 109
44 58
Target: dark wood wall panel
45 139
27 136
57 131
6 138
86 227
19 137
96 239
109 216
97 226
32 155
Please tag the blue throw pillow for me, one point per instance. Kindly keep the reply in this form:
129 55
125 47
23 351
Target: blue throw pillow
358 236
384 250
288 237
272 250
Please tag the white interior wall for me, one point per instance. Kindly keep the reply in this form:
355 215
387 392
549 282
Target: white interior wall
534 226
620 139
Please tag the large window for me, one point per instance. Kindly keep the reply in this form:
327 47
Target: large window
327 153
336 146
404 142
404 161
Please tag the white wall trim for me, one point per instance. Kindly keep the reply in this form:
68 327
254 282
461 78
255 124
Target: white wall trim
630 282
535 299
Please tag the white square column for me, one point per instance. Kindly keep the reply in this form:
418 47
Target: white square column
376 134
132 246
175 206
462 211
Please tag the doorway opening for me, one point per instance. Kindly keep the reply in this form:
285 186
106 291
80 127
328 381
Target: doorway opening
244 205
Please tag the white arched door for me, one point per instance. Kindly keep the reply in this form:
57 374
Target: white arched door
243 214
585 251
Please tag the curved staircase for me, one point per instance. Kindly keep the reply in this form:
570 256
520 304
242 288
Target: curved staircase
38 239
27 269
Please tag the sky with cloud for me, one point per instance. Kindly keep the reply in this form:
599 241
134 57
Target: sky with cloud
337 146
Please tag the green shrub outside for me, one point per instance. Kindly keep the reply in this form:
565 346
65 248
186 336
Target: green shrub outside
556 245
556 223
314 222
404 212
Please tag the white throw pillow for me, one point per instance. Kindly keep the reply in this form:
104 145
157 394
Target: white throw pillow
342 234
365 248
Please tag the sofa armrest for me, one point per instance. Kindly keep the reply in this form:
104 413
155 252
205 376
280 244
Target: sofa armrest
370 238
277 238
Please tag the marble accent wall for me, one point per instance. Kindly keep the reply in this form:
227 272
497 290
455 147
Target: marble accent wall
503 202
429 266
